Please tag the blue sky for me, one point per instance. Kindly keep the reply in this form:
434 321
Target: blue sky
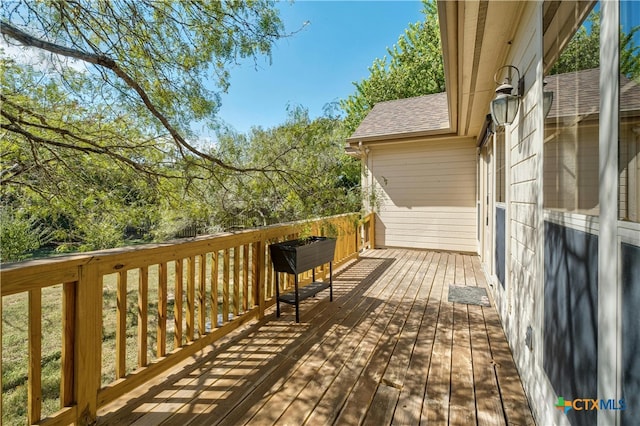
318 64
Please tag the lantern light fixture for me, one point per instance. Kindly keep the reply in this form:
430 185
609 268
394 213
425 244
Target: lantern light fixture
504 107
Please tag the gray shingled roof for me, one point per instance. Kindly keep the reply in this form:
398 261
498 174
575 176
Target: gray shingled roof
578 93
575 93
404 118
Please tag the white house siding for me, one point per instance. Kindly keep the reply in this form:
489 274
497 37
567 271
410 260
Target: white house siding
425 195
520 302
524 143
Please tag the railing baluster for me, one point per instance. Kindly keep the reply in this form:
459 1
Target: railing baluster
177 306
202 296
346 245
257 275
245 278
161 349
121 325
269 273
225 287
68 335
34 409
191 290
372 231
143 304
214 290
236 281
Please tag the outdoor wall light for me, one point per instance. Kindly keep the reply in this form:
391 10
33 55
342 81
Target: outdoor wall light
505 105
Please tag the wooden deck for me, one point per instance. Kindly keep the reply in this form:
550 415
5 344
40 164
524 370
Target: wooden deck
390 349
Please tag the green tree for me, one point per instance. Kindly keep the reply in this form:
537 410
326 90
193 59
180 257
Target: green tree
583 50
630 54
320 179
146 56
414 67
72 167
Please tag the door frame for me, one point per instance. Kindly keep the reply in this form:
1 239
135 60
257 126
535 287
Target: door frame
487 202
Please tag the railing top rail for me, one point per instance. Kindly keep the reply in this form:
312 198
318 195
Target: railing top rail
32 274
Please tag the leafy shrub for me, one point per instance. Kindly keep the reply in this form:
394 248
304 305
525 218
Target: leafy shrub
100 232
19 236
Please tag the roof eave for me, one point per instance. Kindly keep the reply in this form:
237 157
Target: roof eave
472 51
448 21
398 137
390 137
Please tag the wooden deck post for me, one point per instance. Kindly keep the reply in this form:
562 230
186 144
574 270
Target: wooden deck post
88 343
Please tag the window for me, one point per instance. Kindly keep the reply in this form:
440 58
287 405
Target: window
571 181
629 142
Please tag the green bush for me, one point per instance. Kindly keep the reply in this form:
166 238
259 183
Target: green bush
100 232
19 236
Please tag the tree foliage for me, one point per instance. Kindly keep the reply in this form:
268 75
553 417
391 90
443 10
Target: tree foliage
151 57
74 164
414 67
630 54
321 178
583 50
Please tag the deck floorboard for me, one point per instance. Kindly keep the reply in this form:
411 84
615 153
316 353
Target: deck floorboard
390 349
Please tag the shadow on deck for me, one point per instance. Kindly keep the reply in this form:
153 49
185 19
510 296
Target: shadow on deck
390 349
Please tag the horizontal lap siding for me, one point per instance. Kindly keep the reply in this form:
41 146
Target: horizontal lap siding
523 314
523 232
426 195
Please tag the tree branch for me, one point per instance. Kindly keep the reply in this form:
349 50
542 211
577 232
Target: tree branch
15 123
104 61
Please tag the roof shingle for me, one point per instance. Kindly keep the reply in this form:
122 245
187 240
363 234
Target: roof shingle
404 118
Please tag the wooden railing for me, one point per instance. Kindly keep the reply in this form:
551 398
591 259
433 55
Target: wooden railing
186 295
368 231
